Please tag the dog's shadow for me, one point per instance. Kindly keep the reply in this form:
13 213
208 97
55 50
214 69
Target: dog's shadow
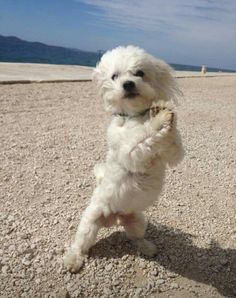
176 252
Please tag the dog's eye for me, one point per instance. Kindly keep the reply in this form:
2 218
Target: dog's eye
114 76
139 73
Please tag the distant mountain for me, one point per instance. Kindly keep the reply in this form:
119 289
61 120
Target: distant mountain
14 49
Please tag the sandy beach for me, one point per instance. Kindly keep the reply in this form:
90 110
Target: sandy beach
52 135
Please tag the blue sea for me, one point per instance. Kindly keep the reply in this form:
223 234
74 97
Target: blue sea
198 68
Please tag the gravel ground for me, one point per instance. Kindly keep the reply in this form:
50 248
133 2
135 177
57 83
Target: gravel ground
51 137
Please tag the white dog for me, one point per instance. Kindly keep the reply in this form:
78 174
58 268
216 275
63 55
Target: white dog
142 141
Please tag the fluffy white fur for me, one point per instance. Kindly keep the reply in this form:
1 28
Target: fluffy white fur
142 140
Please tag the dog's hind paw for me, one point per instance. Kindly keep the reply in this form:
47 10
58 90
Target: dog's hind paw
73 261
146 247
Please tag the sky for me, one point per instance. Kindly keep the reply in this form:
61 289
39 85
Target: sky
193 32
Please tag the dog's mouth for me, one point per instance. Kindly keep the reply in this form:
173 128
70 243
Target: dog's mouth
131 95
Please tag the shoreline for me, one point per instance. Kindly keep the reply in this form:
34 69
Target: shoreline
26 73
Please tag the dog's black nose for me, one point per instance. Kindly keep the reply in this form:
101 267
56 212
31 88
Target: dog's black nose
128 86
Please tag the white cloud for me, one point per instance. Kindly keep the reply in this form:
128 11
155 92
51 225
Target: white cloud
162 15
197 25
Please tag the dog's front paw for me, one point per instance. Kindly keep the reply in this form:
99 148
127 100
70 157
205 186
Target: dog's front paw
146 247
73 261
161 117
154 110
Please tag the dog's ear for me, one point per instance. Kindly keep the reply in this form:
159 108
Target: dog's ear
99 75
165 81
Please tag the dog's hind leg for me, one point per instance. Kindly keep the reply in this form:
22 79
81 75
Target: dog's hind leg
99 171
135 227
85 237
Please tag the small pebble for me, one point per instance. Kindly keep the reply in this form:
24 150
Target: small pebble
108 267
5 269
160 281
174 285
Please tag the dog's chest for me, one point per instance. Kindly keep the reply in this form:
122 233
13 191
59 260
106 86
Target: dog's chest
123 130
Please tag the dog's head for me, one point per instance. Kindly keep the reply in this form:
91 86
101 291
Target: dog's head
129 80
